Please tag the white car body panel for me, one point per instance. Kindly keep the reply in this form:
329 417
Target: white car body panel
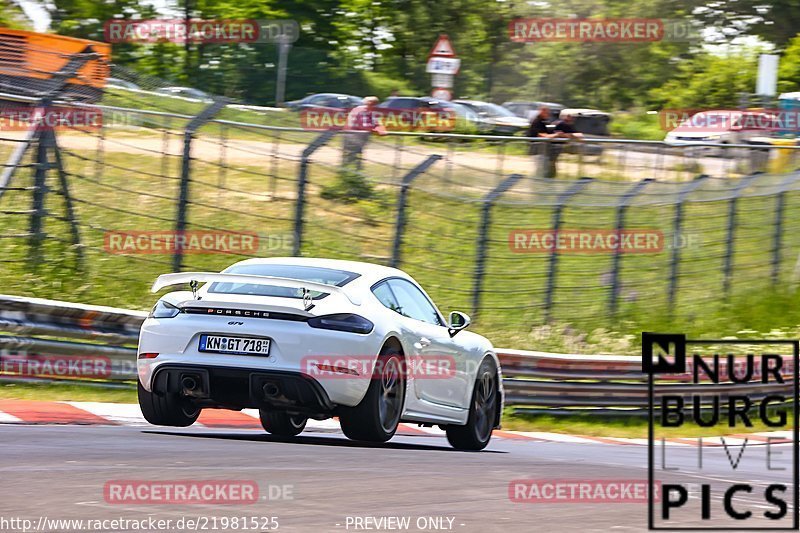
428 400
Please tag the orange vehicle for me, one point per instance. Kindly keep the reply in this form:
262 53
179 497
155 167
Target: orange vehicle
30 63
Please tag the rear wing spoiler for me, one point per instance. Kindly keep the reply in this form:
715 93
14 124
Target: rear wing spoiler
179 278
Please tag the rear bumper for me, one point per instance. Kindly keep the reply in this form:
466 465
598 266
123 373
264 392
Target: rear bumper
245 387
294 347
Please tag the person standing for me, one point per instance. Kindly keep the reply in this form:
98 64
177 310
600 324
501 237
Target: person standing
361 121
543 150
564 129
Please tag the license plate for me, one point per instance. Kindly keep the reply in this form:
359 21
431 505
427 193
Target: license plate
234 345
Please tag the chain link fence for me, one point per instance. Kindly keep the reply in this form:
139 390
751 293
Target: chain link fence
628 228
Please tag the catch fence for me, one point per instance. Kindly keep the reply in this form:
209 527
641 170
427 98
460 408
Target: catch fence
628 228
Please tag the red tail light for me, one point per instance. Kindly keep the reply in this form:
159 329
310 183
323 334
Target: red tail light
148 355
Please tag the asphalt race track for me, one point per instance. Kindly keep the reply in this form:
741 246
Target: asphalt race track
59 472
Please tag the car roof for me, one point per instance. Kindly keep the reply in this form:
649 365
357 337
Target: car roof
332 94
370 272
583 111
535 103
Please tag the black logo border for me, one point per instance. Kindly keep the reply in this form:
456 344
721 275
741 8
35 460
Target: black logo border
796 445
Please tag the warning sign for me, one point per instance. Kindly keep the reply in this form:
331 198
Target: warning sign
442 48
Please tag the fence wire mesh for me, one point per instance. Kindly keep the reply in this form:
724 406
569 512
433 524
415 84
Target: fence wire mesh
724 229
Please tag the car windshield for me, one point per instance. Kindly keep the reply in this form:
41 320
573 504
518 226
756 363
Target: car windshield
328 276
460 110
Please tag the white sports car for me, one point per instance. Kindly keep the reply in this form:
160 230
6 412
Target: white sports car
315 338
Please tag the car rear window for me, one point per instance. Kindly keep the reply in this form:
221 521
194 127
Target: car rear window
329 276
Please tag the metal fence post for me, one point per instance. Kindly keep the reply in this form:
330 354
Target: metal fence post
68 205
778 234
45 139
276 141
729 239
183 200
53 86
483 236
677 227
552 268
402 199
622 208
301 187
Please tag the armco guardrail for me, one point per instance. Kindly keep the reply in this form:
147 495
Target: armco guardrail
535 382
103 349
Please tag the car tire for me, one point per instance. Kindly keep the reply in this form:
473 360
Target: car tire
166 409
281 423
477 433
375 419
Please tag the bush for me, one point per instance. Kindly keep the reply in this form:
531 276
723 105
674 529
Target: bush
349 186
637 125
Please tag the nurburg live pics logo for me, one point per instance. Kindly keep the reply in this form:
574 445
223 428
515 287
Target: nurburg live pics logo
748 482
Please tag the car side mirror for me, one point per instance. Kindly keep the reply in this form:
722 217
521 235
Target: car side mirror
456 322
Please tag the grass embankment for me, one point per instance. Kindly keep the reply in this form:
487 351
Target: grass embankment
131 194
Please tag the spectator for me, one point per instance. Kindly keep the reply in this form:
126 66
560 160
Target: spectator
361 121
540 127
565 128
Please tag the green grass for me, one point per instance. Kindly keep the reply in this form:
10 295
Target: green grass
625 427
439 249
637 125
66 392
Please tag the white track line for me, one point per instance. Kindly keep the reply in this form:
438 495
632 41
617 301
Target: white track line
555 437
729 441
6 418
429 430
127 414
314 425
776 434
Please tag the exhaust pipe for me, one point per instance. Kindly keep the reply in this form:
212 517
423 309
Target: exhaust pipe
271 390
189 384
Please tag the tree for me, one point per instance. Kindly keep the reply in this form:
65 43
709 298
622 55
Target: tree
789 70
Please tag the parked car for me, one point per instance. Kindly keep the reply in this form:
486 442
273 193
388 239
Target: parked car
529 110
445 116
720 127
325 101
301 338
185 92
121 84
590 121
495 119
